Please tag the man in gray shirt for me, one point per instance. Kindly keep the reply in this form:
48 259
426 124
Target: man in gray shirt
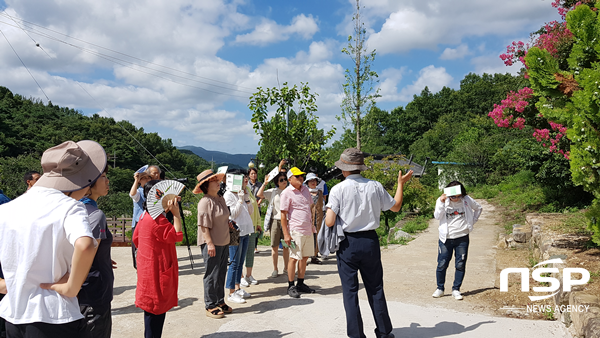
356 203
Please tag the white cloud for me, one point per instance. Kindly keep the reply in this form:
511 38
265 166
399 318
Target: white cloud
204 87
455 53
433 78
388 85
268 31
492 64
424 24
317 51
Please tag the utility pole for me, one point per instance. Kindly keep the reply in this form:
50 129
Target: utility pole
114 158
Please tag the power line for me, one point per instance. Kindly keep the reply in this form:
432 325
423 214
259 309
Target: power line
32 30
32 39
123 63
134 138
117 122
17 54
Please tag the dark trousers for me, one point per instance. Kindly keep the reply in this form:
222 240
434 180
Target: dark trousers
74 329
460 247
101 327
214 276
153 324
360 251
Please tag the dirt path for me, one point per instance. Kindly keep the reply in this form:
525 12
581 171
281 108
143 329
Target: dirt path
409 282
410 269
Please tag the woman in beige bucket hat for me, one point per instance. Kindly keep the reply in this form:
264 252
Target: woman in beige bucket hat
46 246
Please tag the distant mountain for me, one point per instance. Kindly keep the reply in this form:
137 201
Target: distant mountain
220 157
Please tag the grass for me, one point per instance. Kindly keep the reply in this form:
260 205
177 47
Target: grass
264 241
571 223
413 225
549 313
532 260
519 194
416 225
401 241
594 276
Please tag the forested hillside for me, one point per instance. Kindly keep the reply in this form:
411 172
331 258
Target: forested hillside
28 127
452 125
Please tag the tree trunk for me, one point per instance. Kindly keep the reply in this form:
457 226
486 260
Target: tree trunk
357 69
358 129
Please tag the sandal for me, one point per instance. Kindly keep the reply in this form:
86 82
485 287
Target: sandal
225 308
215 313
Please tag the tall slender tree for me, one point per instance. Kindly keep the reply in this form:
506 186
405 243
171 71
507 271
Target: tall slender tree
358 89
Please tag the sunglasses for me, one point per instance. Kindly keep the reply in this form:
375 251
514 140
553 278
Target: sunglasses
453 197
299 176
282 180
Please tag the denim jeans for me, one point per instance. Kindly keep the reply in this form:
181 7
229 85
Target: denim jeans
237 254
460 246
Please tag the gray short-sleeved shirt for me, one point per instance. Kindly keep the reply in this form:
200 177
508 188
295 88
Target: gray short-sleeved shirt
358 202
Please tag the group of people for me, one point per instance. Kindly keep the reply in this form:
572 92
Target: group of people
229 224
57 265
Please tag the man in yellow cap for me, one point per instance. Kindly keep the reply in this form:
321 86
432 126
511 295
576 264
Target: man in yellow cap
298 229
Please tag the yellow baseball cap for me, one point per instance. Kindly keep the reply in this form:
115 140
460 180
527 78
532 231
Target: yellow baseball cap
295 172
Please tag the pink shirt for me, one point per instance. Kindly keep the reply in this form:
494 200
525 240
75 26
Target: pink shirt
297 204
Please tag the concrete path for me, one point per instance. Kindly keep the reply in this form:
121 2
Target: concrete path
409 282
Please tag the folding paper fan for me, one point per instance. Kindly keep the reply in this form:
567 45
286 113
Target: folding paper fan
160 194
142 169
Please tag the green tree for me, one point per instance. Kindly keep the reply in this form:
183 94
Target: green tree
568 95
12 172
416 196
298 138
358 89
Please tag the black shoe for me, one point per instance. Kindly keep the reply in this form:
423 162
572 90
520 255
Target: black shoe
315 260
305 289
293 292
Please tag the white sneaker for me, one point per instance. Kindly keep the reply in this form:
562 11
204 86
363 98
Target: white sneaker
456 294
438 293
244 282
242 293
235 298
252 280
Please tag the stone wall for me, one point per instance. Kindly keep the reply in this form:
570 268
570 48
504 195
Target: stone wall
582 324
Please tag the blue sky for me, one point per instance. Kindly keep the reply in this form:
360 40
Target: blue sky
217 52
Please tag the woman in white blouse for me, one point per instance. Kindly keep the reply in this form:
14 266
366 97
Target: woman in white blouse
240 210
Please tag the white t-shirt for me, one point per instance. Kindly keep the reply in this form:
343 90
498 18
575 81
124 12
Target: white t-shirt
38 231
457 221
240 212
275 195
